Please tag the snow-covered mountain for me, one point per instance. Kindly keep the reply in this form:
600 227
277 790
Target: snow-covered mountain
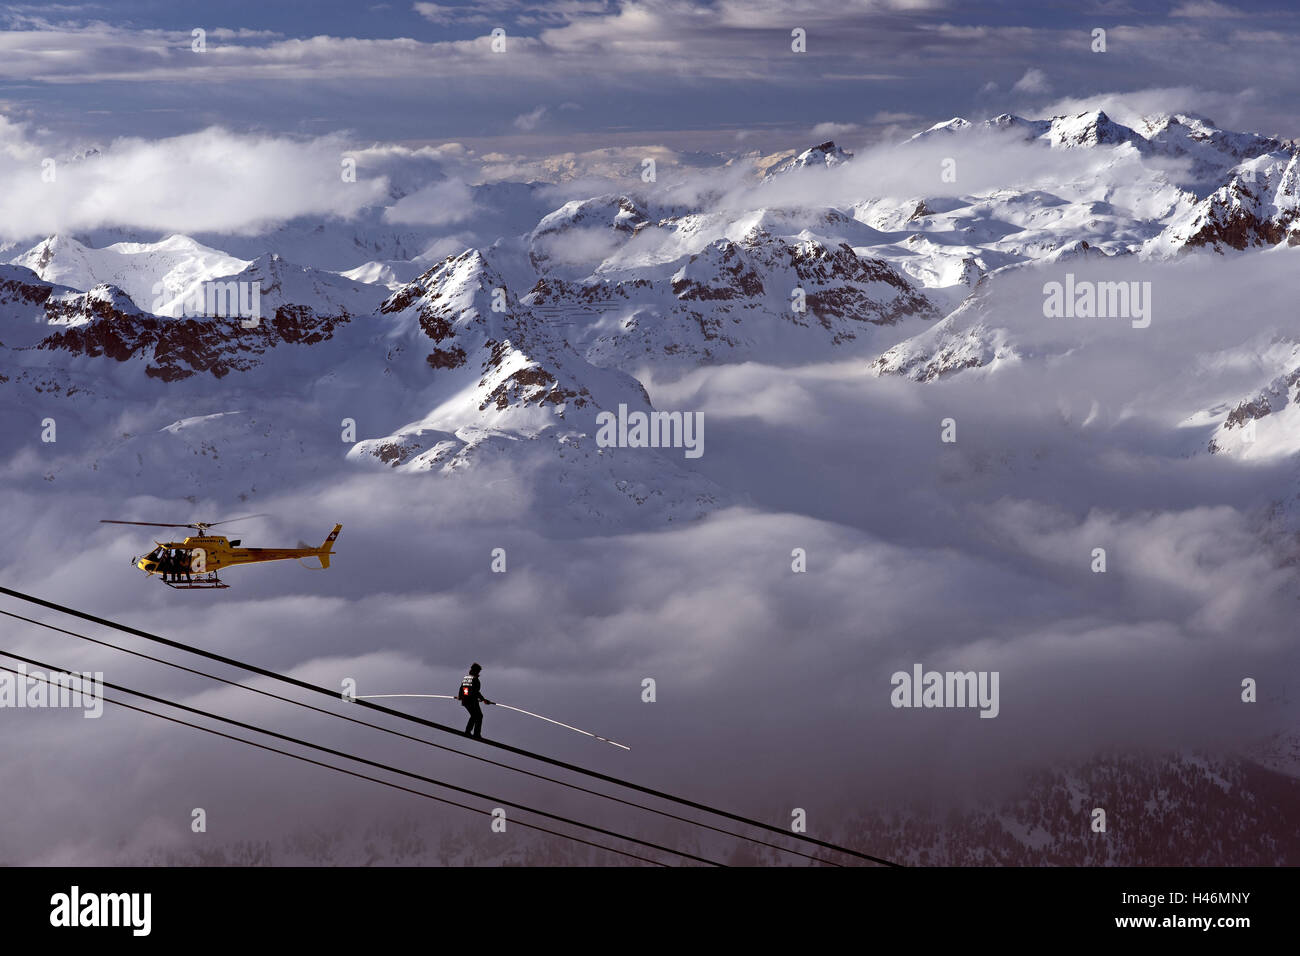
761 296
514 345
1206 153
495 376
823 156
1265 424
298 305
31 308
1167 810
1176 809
826 327
1259 206
156 275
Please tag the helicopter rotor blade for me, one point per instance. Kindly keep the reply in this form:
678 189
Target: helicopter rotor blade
213 524
148 524
180 524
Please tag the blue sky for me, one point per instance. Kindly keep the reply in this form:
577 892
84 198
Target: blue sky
587 73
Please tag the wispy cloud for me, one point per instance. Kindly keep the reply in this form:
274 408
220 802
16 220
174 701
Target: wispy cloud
532 119
1205 8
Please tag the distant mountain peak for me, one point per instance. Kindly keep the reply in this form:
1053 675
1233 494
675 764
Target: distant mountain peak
822 156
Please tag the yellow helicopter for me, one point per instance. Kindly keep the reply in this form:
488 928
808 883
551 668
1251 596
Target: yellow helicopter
194 562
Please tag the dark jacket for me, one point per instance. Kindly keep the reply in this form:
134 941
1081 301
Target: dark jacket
471 691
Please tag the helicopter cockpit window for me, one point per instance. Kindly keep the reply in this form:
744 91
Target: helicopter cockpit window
156 553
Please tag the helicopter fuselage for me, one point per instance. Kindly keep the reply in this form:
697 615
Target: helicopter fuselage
205 554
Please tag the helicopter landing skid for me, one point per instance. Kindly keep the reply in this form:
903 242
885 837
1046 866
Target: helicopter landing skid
198 584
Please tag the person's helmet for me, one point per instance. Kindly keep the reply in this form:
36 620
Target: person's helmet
475 668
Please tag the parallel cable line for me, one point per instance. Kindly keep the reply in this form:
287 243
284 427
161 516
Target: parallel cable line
337 695
421 740
352 773
374 763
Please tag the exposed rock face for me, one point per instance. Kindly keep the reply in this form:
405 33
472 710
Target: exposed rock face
737 298
1274 406
498 378
106 322
175 349
1258 207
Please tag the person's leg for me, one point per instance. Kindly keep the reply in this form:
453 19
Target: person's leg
469 726
478 721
